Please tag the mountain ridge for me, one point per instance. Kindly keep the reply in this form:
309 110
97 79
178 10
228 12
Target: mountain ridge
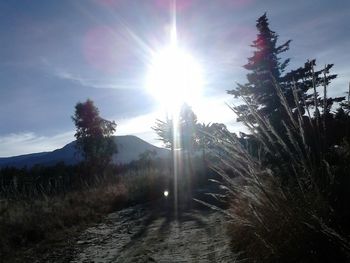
129 149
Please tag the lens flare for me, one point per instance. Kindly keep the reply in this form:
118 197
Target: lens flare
174 77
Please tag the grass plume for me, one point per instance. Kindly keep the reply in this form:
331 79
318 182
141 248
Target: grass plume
285 200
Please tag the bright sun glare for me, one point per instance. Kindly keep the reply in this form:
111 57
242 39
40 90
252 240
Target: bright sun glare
174 77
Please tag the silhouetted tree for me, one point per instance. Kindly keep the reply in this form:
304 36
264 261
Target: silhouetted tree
267 78
164 130
209 134
187 129
94 135
179 133
305 81
180 136
264 66
346 104
203 138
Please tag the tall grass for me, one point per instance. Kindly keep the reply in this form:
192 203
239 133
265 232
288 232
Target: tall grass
284 196
38 224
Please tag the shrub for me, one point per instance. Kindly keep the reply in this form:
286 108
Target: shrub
287 201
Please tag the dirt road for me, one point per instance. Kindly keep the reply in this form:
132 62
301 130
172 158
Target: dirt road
144 234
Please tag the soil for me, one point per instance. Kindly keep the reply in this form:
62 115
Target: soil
146 234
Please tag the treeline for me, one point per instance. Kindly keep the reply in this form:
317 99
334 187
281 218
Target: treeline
38 180
287 180
94 142
58 179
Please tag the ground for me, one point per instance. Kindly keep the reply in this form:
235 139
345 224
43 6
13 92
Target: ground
146 233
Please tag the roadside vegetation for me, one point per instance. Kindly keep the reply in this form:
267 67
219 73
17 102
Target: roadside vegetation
43 207
287 180
31 225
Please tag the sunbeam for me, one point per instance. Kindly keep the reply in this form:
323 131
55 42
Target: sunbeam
174 76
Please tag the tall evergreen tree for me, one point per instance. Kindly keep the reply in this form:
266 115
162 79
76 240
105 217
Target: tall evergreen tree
267 77
264 66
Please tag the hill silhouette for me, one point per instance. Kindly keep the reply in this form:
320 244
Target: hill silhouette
129 149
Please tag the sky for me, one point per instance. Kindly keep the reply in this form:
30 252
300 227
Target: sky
54 54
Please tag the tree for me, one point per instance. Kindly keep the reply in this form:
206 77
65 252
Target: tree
308 78
94 135
264 66
164 130
180 133
208 135
267 78
187 129
180 136
346 104
203 137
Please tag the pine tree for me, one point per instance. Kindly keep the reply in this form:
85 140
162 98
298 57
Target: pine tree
264 67
267 76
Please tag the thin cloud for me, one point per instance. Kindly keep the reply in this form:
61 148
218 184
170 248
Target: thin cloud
29 142
90 83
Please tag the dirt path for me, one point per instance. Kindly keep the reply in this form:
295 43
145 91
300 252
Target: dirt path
140 234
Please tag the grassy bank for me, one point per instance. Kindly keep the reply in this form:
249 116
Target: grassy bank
288 187
29 227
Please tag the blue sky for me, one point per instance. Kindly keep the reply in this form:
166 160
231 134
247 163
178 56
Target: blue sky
56 53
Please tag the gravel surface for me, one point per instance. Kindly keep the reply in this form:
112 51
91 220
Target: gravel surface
145 234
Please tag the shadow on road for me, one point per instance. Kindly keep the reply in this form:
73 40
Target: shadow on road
161 220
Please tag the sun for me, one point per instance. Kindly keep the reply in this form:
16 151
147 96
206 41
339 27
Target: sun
174 77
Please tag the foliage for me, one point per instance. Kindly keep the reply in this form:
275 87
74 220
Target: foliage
94 135
40 224
286 182
346 104
164 130
206 133
294 207
179 132
266 68
264 64
39 181
30 226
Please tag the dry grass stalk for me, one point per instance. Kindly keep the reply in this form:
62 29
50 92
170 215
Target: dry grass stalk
272 218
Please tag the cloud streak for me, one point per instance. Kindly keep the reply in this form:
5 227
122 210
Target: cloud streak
29 142
89 83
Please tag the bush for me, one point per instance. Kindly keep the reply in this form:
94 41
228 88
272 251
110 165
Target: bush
286 189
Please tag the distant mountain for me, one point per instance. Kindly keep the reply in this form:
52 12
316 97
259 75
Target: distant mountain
129 149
